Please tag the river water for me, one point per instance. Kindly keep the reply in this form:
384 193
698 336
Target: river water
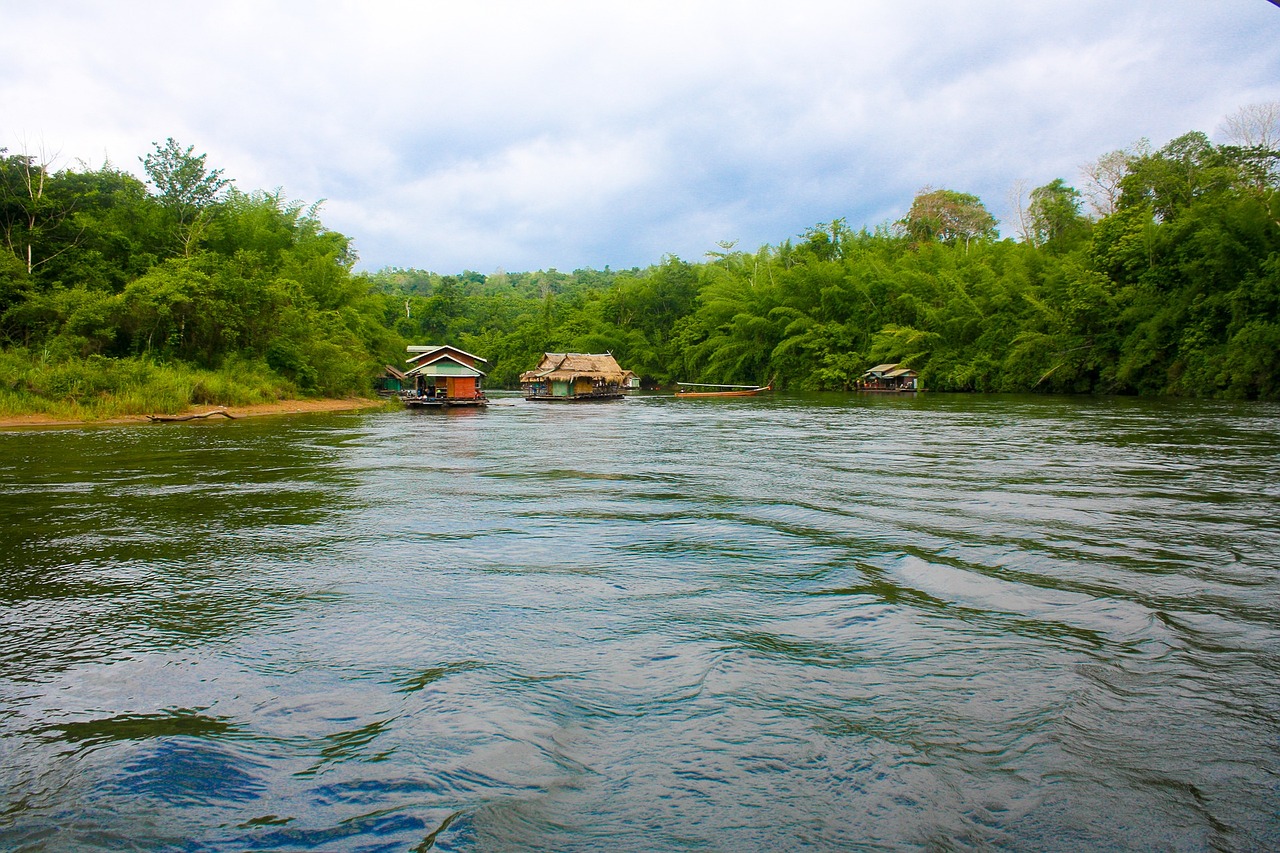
794 622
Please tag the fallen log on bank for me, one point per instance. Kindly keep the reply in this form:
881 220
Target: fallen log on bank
157 419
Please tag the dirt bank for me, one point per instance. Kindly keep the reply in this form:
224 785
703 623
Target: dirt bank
280 407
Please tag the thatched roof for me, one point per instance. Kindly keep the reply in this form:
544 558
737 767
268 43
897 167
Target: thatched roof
568 366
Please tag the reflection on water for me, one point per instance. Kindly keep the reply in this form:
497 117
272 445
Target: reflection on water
799 621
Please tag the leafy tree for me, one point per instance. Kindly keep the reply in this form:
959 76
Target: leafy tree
32 209
15 290
113 235
187 188
1054 214
1169 180
949 217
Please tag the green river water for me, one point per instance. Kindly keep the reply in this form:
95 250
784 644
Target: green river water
791 622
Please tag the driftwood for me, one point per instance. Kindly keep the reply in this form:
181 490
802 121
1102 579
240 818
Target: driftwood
158 419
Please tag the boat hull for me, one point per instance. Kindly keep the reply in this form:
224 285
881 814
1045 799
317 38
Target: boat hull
683 394
739 392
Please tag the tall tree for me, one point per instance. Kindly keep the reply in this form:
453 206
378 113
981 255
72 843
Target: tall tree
1185 169
186 187
1102 177
1254 134
948 217
1254 126
30 207
1055 212
1016 198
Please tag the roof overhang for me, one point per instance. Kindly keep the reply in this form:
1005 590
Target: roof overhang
571 375
444 365
421 352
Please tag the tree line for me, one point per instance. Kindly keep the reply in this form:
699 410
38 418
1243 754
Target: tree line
1160 274
184 271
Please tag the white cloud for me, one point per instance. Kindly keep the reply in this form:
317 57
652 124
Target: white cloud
527 135
533 192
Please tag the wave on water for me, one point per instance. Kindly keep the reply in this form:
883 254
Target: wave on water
822 621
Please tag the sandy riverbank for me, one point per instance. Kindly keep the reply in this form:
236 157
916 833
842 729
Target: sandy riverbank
279 407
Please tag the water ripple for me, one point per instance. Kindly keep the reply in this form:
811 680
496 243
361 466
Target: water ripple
803 621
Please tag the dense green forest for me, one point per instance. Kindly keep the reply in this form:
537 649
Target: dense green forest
1160 275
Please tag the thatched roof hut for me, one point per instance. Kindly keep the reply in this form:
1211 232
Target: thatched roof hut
574 375
570 366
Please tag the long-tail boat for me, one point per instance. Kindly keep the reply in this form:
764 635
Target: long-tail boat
693 389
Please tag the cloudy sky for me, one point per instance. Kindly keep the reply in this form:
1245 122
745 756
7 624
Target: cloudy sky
482 135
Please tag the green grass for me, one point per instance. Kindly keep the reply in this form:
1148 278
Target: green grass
94 388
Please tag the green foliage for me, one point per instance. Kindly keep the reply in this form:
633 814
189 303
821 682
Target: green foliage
181 178
112 299
949 217
1056 222
199 279
187 191
101 387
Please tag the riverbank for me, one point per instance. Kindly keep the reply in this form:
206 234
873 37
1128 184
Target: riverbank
278 407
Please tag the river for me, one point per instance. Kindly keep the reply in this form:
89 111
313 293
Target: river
935 622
